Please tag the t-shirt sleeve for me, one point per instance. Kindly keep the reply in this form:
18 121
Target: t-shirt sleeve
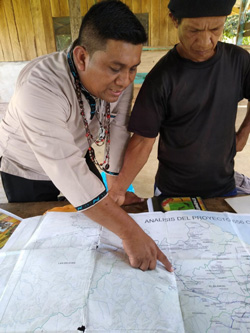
148 111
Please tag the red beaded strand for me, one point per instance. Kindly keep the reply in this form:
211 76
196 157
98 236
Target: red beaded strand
105 164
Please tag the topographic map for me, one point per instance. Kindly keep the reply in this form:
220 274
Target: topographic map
64 273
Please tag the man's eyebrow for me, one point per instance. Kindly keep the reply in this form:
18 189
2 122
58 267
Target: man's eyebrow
219 25
193 27
200 29
122 65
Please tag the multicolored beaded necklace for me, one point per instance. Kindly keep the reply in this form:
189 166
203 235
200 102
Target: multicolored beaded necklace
104 132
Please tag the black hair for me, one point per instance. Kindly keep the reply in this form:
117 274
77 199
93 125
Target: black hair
109 19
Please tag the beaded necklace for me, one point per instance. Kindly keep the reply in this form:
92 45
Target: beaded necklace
104 131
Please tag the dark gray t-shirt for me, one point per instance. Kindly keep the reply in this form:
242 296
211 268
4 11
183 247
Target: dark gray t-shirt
193 106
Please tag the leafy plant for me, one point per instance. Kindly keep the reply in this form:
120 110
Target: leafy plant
230 29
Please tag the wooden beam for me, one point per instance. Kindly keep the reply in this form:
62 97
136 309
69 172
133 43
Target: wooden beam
25 28
14 38
136 6
146 8
155 24
84 7
246 33
1 52
55 8
37 19
75 17
64 8
247 26
48 26
128 3
5 36
246 30
91 3
163 22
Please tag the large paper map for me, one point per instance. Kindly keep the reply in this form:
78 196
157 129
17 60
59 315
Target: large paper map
64 273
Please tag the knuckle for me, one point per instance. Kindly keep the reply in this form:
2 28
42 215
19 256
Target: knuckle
135 262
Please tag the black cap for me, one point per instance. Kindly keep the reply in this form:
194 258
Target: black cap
200 8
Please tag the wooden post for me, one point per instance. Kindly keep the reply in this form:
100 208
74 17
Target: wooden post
242 19
75 18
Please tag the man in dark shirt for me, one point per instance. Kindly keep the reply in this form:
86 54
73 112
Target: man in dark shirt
190 97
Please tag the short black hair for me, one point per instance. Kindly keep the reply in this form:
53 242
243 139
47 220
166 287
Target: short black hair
109 19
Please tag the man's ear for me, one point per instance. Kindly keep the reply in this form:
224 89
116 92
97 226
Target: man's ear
81 57
174 20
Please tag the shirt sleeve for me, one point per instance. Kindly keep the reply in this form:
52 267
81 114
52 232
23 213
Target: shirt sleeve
148 111
43 118
119 134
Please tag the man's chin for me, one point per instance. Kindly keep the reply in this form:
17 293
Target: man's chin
111 99
202 56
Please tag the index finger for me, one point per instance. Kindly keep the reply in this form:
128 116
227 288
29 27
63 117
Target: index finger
164 260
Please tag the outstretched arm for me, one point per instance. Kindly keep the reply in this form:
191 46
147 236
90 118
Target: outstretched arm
243 132
142 251
136 156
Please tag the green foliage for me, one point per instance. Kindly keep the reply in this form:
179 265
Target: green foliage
246 41
231 27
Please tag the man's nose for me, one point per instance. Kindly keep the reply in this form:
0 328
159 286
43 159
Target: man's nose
205 39
124 78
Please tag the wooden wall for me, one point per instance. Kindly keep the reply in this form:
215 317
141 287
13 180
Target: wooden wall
26 29
26 26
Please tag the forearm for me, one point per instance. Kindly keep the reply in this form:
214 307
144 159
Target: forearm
246 121
110 180
243 132
108 214
137 153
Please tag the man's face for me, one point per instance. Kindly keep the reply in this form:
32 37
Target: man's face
199 36
108 72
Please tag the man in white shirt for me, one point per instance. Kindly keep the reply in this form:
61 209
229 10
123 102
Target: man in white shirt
63 103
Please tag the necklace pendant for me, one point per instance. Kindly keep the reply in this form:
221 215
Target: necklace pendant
101 133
